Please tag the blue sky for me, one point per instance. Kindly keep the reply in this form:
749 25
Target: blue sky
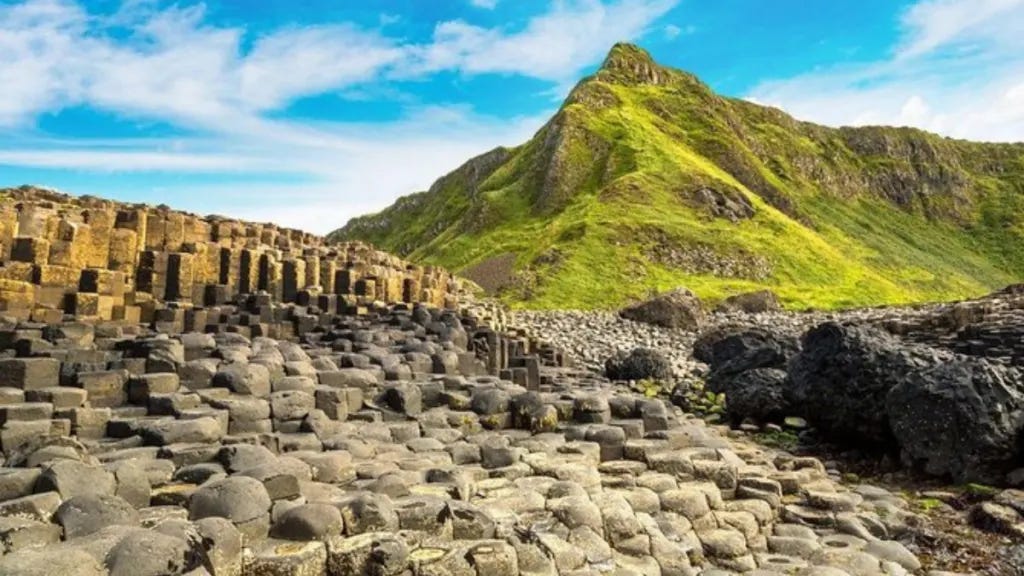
309 112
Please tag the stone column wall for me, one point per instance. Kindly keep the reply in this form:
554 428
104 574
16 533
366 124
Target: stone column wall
96 258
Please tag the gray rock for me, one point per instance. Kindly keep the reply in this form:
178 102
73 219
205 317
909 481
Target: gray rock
238 457
51 562
85 514
736 352
405 398
489 401
308 522
203 430
291 404
71 478
132 482
237 498
150 553
223 545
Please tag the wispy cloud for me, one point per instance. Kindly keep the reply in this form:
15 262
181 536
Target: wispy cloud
485 4
223 85
175 66
671 31
553 46
935 24
958 69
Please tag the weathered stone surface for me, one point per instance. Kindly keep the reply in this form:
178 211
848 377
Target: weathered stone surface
71 478
151 553
308 522
84 514
51 562
238 498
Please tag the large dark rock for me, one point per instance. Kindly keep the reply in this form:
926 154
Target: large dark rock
640 364
960 418
679 309
757 394
737 352
841 379
702 346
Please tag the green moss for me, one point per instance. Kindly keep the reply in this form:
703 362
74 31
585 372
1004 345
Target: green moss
782 440
928 504
980 491
843 217
650 388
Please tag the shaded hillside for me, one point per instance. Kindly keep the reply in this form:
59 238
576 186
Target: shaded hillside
645 180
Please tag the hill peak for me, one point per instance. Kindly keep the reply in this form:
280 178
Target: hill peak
631 64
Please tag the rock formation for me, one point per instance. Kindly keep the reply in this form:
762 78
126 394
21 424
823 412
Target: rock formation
305 428
104 260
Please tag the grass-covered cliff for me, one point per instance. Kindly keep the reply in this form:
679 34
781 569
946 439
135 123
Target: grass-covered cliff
646 180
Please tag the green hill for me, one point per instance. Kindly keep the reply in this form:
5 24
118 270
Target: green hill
646 180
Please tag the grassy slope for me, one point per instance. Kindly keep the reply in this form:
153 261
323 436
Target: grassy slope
612 165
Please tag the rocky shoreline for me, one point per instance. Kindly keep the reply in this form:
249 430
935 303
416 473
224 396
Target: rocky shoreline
986 332
402 441
181 395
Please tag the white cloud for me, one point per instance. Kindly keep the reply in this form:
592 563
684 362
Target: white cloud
958 70
554 46
485 4
933 24
341 171
223 84
292 63
173 66
671 31
127 160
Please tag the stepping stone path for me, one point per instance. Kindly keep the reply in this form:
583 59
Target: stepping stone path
403 441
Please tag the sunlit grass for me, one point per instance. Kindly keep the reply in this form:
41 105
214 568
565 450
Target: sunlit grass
594 180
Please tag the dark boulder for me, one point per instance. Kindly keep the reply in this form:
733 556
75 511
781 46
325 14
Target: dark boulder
640 364
841 379
960 418
702 347
757 394
752 348
679 309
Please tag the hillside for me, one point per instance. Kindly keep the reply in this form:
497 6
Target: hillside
646 180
